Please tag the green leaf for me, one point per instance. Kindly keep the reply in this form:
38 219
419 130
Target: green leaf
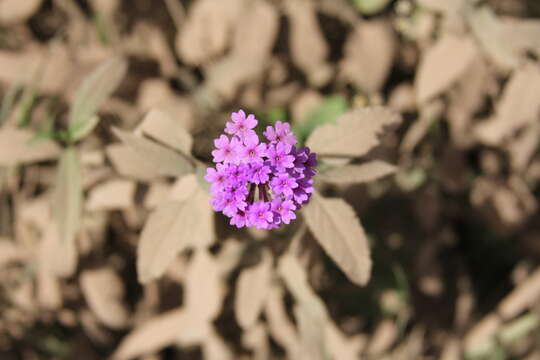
327 112
83 130
95 89
68 196
371 7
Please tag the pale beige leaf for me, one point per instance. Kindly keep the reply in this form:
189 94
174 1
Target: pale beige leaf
256 339
489 32
519 106
307 44
48 293
128 163
67 201
159 125
152 336
310 311
208 28
45 68
337 228
16 147
251 291
204 290
442 65
55 257
354 134
171 228
94 90
250 51
522 34
280 326
351 174
16 11
429 113
9 252
384 336
369 55
157 194
103 290
166 161
214 347
522 297
113 194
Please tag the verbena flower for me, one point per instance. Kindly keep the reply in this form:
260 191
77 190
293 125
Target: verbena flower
256 183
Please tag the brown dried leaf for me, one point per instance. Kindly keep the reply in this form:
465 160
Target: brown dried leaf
208 28
166 161
204 290
519 106
307 44
68 197
162 127
354 134
351 174
171 228
310 310
16 148
250 52
113 194
128 163
16 11
488 30
279 325
103 290
251 291
369 54
153 335
442 65
337 228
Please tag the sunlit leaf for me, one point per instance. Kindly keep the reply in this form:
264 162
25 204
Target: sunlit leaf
338 230
251 291
351 174
68 196
17 147
443 64
166 161
354 134
310 310
172 227
327 112
95 89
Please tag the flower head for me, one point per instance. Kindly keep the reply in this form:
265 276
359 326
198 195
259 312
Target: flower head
260 184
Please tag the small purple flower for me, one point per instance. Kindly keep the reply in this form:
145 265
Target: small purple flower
285 209
253 152
281 132
241 125
260 184
226 151
260 173
283 184
260 215
279 156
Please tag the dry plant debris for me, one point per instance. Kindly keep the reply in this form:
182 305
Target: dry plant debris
420 240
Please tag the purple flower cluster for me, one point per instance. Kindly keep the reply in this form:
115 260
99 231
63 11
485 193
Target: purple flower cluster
256 183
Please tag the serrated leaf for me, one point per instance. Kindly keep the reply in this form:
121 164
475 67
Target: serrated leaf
95 89
338 230
354 134
442 65
172 227
355 174
68 196
251 291
166 161
327 112
17 147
